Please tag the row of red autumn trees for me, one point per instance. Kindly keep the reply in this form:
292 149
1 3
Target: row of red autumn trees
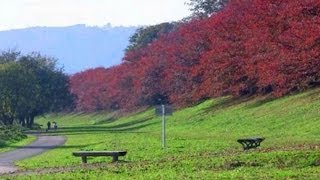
249 47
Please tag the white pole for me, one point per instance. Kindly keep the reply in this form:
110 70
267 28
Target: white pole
163 127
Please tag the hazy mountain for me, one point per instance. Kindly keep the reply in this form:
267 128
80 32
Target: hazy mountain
76 47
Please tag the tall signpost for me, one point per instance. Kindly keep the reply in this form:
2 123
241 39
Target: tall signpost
164 110
164 145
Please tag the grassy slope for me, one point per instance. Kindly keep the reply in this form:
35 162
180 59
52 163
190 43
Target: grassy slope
201 141
14 145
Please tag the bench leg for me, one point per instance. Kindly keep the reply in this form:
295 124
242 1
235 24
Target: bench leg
115 158
246 146
84 159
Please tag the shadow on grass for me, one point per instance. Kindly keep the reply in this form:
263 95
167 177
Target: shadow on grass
96 130
53 146
224 103
106 121
260 102
127 127
227 102
312 94
114 116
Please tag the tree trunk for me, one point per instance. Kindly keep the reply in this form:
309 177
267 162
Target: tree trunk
22 121
30 121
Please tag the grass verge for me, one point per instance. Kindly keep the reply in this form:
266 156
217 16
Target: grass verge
201 142
13 145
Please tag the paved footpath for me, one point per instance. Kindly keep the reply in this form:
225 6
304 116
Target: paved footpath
42 144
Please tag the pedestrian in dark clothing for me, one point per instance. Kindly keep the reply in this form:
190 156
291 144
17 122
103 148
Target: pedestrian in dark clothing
55 126
49 125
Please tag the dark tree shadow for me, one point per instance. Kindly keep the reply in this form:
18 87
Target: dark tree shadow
97 130
106 121
127 127
53 146
260 102
313 95
226 102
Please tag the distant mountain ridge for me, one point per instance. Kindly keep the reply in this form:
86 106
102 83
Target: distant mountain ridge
77 47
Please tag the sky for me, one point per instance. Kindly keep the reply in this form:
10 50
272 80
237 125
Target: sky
16 14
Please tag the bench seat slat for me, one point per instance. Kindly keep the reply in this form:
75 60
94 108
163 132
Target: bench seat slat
99 153
251 139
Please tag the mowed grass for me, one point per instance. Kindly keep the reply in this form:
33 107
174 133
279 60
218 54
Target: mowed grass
13 145
201 142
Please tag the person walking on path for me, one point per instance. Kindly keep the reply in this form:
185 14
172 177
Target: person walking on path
55 126
48 125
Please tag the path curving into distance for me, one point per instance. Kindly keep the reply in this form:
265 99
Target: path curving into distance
40 145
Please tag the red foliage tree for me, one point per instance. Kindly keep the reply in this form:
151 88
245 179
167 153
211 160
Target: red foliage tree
250 47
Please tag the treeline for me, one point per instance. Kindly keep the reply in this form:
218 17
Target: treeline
249 47
30 85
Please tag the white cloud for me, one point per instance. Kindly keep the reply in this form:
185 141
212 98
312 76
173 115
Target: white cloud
26 13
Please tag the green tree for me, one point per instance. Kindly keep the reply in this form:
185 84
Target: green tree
205 8
30 86
8 56
7 72
145 35
52 93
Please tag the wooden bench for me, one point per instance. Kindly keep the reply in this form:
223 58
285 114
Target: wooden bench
249 143
85 154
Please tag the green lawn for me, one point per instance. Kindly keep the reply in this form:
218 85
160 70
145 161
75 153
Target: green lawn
14 145
201 142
